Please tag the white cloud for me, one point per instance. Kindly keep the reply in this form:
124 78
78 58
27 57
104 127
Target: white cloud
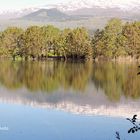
17 4
123 4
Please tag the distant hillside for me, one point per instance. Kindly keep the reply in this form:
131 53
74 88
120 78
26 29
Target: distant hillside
91 18
108 13
55 15
46 15
77 10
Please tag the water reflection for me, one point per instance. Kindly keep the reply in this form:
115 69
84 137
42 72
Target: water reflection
85 88
114 79
57 125
117 80
44 76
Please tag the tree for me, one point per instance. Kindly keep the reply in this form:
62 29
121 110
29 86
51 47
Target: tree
9 41
78 43
110 42
111 32
131 31
98 43
61 46
51 35
34 42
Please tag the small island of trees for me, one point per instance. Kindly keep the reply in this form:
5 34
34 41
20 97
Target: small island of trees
117 39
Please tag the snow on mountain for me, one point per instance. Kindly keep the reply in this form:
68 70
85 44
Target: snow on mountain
73 5
79 4
16 13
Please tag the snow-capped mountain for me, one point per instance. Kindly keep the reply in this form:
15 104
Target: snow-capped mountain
74 5
16 13
79 4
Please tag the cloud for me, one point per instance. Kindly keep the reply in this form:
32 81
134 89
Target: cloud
18 4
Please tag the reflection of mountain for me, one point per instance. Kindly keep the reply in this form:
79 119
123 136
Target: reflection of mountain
91 104
101 88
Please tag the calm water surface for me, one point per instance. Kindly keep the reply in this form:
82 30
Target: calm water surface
68 101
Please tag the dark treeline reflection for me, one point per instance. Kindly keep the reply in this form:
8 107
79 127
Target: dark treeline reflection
116 80
44 76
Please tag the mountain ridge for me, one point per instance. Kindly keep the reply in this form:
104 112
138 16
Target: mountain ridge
72 6
52 14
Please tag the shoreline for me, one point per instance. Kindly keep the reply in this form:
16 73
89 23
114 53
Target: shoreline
119 59
128 59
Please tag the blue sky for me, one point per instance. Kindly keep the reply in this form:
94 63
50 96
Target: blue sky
17 4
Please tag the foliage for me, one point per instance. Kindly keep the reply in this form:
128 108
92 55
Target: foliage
115 40
136 125
9 41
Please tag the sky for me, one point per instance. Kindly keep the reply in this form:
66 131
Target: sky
18 4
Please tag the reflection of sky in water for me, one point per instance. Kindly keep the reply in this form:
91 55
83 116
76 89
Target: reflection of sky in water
91 103
34 124
40 100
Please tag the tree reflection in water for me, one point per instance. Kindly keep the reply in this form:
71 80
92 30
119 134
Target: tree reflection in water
44 76
116 80
118 136
138 72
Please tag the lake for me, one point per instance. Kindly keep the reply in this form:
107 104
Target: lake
68 100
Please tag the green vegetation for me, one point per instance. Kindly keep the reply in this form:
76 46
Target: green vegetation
117 39
40 42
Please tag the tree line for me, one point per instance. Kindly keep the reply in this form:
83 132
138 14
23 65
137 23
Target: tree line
116 39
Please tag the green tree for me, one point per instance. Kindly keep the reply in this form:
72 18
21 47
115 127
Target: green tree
34 42
111 32
78 44
131 31
98 43
51 35
9 41
109 42
61 46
